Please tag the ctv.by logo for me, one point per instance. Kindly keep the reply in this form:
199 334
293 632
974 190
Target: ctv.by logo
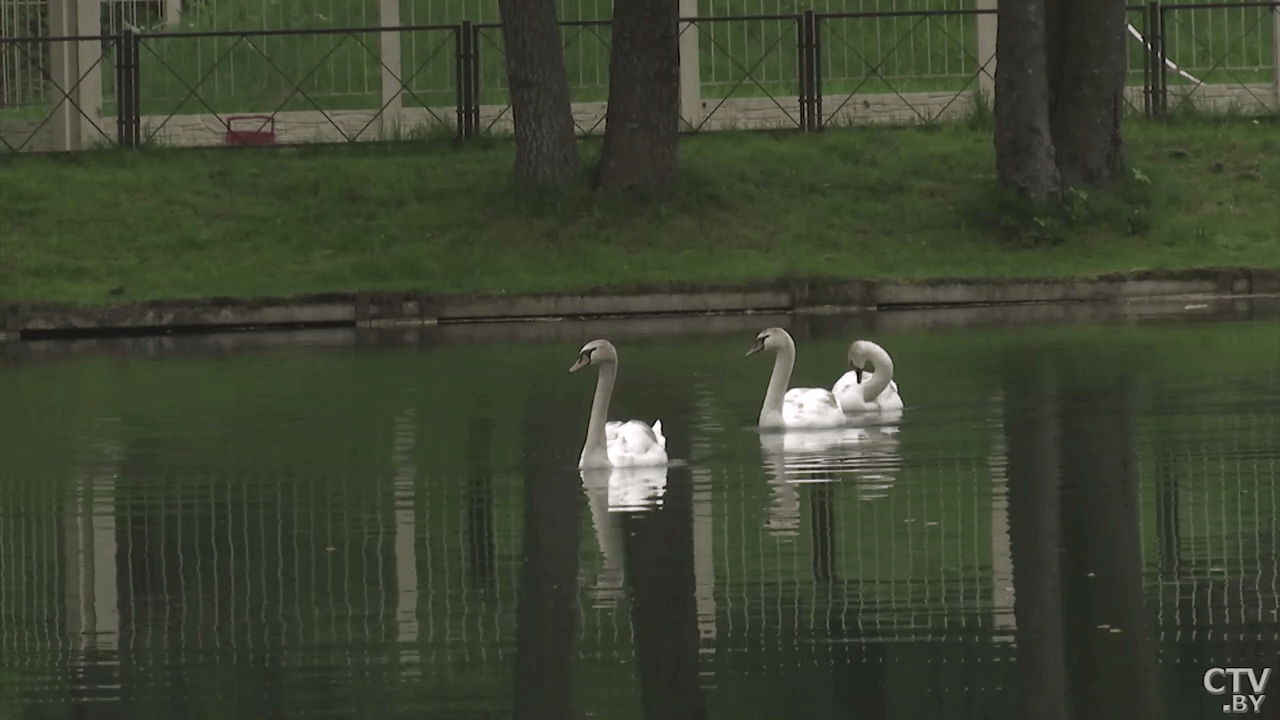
1215 681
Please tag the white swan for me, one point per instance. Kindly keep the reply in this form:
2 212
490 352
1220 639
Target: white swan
879 392
629 443
798 407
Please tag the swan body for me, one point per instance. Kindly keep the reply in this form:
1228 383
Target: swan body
629 443
796 408
877 392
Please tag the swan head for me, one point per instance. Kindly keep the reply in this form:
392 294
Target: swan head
596 352
774 338
860 351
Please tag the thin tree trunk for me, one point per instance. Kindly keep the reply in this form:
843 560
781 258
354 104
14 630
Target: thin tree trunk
641 135
1086 88
1024 146
546 146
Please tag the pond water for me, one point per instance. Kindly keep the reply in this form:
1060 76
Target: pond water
1068 520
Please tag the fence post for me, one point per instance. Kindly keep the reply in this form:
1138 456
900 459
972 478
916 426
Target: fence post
172 13
123 84
1148 60
73 121
462 74
1275 52
986 47
690 66
815 82
802 67
389 51
135 88
806 32
128 104
1159 70
473 110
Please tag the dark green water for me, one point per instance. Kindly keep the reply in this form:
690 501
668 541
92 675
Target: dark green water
1072 520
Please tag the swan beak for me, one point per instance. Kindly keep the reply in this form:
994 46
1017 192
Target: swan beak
580 363
857 372
754 349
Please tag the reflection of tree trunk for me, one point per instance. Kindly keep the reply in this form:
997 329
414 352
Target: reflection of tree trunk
545 629
822 526
1035 534
480 502
1113 671
659 570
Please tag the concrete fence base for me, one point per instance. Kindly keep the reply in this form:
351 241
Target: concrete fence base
752 113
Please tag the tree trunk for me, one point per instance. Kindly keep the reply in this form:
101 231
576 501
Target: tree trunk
546 146
641 135
1024 146
1086 88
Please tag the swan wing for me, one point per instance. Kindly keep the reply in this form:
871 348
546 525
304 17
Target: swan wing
846 389
803 406
636 443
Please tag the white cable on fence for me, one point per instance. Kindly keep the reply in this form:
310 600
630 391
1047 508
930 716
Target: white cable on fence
1134 32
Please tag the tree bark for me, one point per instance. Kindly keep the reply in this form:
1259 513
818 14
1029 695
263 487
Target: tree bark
1024 145
1060 78
546 146
641 135
1086 88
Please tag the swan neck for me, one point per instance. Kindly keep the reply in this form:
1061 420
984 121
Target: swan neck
596 447
771 411
879 379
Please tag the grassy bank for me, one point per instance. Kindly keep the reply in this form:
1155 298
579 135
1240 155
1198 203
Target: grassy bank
873 202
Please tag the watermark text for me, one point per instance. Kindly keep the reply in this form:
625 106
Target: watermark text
1245 687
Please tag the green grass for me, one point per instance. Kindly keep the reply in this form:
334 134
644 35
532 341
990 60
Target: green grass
871 202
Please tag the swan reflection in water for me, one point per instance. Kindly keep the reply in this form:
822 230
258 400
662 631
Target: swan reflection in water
610 493
867 455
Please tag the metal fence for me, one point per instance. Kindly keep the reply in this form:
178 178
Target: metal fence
147 79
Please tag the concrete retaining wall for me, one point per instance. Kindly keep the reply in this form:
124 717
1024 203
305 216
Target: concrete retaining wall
876 323
410 309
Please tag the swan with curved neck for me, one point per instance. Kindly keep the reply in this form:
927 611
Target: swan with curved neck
628 443
878 392
797 407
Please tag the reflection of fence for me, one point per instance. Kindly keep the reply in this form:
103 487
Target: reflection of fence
339 82
373 562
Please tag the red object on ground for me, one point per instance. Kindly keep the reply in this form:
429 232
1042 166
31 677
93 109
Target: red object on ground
257 136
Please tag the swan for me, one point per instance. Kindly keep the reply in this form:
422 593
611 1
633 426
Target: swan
879 392
798 407
629 443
